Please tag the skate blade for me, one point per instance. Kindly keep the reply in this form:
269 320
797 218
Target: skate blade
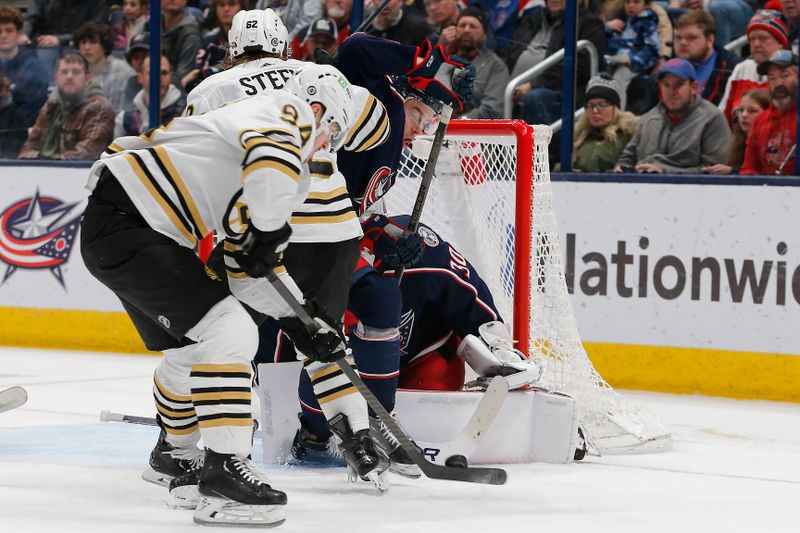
224 512
152 476
410 471
381 481
185 497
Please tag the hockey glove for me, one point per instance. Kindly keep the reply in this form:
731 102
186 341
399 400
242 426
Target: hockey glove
435 74
393 245
262 251
326 345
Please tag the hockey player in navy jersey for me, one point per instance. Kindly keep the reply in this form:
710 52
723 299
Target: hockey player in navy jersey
448 317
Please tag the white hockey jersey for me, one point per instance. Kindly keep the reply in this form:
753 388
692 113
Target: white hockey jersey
220 172
327 215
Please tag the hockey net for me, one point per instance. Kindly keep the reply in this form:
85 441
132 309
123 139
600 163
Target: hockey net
491 198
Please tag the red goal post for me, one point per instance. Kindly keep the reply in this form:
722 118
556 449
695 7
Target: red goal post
491 197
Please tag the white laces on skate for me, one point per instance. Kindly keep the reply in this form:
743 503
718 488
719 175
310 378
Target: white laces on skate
248 471
387 434
194 456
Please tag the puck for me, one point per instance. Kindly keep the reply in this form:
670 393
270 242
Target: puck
458 461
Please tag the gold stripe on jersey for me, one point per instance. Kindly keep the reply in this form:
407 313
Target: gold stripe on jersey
234 370
336 194
168 395
274 163
255 142
220 396
249 133
160 197
377 138
379 127
314 218
114 148
191 428
336 393
226 421
174 415
166 165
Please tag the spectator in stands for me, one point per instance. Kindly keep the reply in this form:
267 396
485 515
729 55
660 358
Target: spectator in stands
399 24
791 10
443 14
51 23
13 129
633 42
95 44
695 41
78 123
132 23
731 18
772 142
180 37
336 10
215 41
137 51
296 14
27 75
603 130
136 119
540 34
752 103
767 33
682 134
321 34
491 73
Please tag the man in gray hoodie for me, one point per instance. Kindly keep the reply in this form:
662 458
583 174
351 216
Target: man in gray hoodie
682 134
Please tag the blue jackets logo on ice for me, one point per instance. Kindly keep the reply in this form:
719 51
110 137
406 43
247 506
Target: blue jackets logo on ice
37 233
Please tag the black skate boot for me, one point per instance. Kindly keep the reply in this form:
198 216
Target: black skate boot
364 459
400 462
233 492
183 493
167 461
308 450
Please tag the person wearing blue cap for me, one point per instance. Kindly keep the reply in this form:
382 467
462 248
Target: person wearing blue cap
682 134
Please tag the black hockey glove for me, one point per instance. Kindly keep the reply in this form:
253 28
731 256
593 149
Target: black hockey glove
392 244
262 250
326 345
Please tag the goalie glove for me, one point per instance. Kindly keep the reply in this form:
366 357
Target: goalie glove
433 74
261 251
392 244
493 355
326 345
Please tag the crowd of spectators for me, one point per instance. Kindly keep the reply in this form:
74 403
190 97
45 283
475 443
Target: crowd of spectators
669 97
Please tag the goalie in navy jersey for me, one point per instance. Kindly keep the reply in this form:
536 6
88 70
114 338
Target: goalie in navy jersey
448 317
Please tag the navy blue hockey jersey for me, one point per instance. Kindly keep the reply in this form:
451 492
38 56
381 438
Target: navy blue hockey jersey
442 296
367 61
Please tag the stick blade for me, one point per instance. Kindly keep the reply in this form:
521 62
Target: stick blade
486 476
12 398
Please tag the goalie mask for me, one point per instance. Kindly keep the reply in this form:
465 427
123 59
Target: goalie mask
325 85
258 30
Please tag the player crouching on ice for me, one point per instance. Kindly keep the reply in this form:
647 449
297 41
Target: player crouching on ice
238 171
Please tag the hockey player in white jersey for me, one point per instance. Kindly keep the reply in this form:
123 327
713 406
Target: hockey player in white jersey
326 225
237 171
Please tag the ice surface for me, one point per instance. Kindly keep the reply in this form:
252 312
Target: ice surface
735 467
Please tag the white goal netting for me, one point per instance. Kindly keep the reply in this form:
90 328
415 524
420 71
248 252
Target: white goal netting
491 198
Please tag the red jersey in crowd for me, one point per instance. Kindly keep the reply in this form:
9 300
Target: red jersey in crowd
770 143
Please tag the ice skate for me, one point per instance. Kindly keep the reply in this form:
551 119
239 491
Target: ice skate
167 462
307 450
400 462
233 493
364 459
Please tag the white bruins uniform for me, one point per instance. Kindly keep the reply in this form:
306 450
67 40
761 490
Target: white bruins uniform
219 172
327 215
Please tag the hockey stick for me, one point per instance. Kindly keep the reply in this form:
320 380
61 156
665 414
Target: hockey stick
427 177
473 432
491 476
110 416
364 25
12 398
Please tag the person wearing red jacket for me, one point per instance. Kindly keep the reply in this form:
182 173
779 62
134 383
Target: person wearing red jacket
772 142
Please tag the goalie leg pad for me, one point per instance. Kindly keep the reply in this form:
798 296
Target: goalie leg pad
485 362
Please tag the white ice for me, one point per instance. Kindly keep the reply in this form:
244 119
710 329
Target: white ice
735 467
